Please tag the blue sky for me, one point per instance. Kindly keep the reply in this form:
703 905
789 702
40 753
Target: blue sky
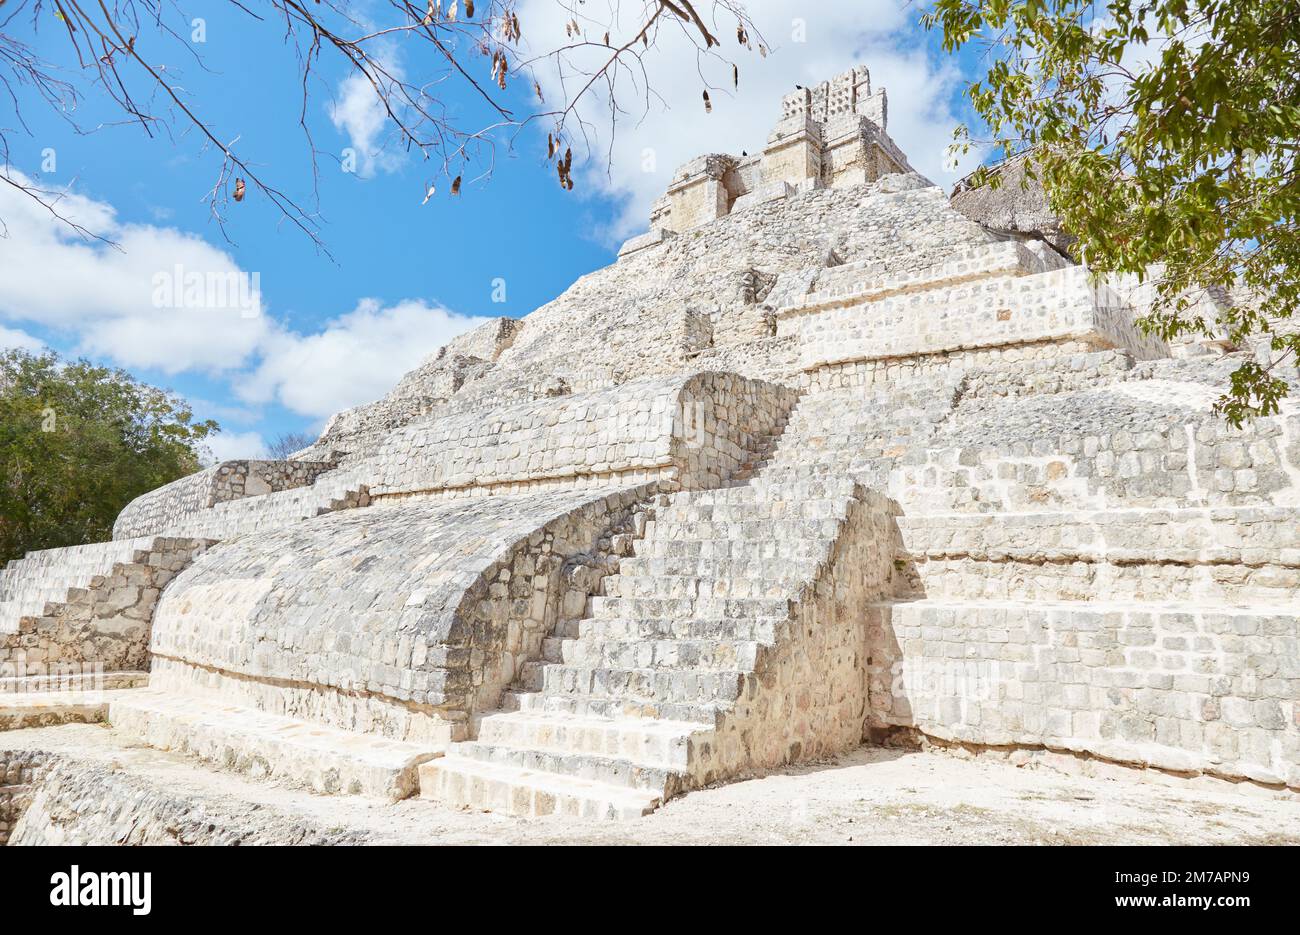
404 276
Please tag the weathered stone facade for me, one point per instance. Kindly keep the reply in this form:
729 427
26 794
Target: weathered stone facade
832 135
169 506
819 459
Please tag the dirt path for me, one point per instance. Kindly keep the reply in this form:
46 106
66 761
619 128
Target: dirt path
873 796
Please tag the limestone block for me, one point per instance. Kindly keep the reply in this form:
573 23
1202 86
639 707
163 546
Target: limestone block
653 238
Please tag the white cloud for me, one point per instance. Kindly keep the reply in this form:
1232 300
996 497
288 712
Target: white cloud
358 112
880 34
12 337
103 300
110 299
230 446
354 359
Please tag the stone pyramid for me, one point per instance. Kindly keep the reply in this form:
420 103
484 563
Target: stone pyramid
819 460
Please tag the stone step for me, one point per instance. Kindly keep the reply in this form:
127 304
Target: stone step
711 567
732 511
690 587
232 518
593 767
730 607
318 757
22 708
531 675
649 742
468 783
739 549
698 655
759 492
602 706
762 530
72 680
901 427
760 629
34 586
643 685
565 629
553 648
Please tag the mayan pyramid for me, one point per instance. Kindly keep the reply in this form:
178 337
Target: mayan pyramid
819 461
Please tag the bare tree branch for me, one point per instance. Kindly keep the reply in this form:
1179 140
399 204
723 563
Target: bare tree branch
120 49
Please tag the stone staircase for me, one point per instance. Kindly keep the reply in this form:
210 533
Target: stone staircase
336 490
292 751
631 705
861 430
47 576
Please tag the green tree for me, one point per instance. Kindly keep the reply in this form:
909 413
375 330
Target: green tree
77 443
1164 132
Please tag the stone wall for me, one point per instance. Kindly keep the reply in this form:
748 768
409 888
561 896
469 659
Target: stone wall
1056 306
1088 560
807 696
169 505
105 624
692 430
399 620
1241 556
1182 690
1148 458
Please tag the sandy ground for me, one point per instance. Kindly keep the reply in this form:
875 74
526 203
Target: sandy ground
872 796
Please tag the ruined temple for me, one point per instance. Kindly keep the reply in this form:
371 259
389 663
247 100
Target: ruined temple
818 461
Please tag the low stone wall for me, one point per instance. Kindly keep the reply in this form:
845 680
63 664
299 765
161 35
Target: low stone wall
104 624
944 365
1243 556
400 620
694 430
1056 306
1170 463
159 510
808 694
1028 376
1191 691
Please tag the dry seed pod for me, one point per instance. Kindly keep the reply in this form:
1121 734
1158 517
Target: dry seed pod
239 189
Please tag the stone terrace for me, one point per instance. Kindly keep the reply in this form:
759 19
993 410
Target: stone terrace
818 461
